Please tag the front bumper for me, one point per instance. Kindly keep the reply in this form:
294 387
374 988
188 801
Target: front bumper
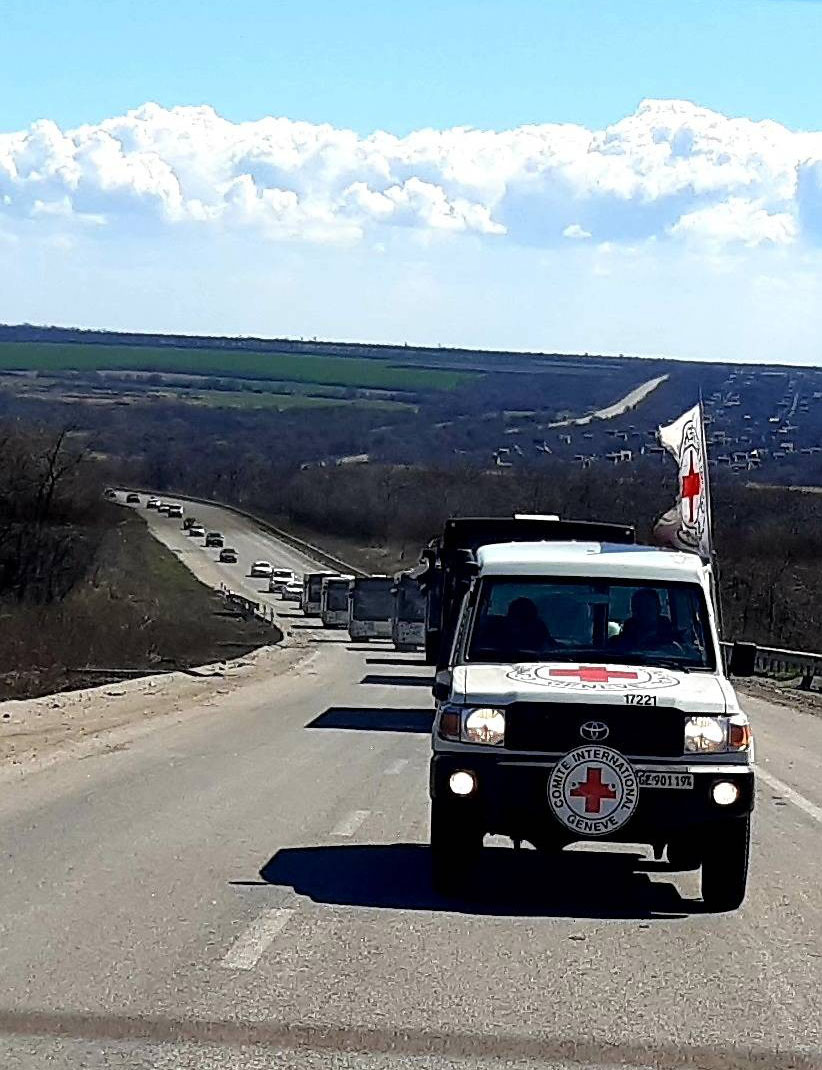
511 798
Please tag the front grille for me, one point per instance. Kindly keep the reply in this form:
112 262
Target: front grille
553 728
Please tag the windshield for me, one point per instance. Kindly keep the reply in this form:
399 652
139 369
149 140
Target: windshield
556 620
372 600
410 602
337 597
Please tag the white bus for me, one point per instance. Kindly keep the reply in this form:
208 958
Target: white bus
370 607
334 601
408 619
312 589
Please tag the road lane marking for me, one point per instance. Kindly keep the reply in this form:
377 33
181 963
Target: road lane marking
396 767
350 823
811 809
251 945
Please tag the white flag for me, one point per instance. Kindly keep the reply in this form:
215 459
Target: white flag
688 525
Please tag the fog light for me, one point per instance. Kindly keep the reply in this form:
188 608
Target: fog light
462 783
725 793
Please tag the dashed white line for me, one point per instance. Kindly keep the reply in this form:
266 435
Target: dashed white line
251 945
396 767
811 809
350 823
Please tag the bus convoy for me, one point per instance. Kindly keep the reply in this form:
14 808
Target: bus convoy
368 607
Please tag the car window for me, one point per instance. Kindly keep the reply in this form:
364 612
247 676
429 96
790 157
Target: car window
645 623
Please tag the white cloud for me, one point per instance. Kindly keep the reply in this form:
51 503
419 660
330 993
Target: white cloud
574 230
671 172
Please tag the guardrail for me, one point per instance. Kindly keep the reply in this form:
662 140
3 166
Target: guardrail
771 660
315 552
248 607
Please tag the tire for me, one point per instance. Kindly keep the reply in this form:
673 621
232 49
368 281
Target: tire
725 865
455 847
684 853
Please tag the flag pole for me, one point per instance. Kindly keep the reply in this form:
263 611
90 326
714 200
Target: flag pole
709 520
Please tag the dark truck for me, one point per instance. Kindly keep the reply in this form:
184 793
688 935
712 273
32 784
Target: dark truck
448 558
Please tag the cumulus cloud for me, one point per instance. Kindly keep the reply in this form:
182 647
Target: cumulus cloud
672 172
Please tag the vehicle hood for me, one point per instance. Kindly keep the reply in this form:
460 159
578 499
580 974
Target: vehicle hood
562 681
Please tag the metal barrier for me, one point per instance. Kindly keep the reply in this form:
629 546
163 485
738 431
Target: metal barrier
248 607
771 660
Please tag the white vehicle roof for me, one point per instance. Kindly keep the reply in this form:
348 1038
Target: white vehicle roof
262 561
609 560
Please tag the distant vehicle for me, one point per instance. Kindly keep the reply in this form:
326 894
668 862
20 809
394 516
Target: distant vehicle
312 588
197 531
175 511
279 578
189 522
109 492
214 538
132 499
408 619
292 592
261 568
152 503
334 601
163 508
228 556
370 607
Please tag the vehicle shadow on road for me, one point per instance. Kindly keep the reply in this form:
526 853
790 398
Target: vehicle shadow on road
505 882
375 719
398 660
386 680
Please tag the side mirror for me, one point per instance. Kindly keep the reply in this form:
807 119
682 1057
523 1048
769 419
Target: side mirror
743 659
442 686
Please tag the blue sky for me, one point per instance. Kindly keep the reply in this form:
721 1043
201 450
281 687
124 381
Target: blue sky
581 219
401 66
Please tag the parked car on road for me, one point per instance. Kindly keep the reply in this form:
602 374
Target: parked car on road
197 531
228 556
109 492
279 578
214 538
163 508
132 499
175 511
152 503
261 568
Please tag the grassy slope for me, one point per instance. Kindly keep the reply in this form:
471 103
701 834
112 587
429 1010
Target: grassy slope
142 609
340 371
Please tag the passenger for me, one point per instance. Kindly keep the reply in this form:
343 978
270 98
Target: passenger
647 626
524 627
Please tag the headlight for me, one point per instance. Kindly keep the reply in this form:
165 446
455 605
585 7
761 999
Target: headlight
484 725
711 735
704 735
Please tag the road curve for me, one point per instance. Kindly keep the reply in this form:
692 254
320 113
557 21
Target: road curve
248 888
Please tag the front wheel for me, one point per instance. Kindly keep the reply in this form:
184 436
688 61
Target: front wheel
455 846
725 865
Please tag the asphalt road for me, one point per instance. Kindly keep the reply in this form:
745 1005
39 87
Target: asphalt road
250 890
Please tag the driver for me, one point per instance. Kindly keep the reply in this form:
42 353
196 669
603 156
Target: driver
647 626
524 627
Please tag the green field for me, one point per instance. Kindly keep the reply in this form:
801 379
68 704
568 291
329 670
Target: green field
332 371
244 399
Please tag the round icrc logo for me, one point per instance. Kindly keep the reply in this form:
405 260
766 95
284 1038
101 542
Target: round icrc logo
620 678
593 790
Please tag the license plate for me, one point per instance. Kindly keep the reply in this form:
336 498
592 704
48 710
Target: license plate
682 781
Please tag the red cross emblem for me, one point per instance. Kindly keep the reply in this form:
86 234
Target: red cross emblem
595 674
691 487
592 790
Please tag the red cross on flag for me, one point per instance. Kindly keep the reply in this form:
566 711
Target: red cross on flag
688 525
